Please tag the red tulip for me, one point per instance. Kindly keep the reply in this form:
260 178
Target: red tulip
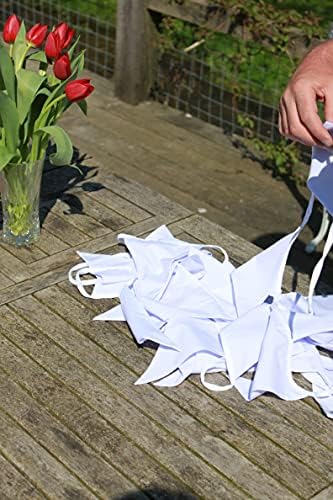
65 34
11 28
78 90
53 46
36 35
62 67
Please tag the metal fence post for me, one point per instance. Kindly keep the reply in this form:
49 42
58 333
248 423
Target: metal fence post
135 51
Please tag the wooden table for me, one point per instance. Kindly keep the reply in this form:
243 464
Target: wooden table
72 423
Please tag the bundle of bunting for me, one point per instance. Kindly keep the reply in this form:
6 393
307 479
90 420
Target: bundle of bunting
208 316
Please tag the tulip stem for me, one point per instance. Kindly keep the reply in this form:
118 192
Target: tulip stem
21 62
49 106
11 50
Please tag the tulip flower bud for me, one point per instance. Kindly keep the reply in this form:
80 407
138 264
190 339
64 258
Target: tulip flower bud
53 46
36 35
11 29
62 67
65 34
78 90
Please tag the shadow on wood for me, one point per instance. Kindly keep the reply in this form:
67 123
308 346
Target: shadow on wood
61 183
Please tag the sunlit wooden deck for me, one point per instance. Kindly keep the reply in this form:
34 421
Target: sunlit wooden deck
72 423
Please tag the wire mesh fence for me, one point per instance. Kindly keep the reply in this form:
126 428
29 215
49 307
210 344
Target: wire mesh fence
214 95
241 103
92 19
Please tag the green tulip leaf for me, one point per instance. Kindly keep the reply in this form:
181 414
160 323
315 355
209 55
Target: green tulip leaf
10 121
39 56
21 34
78 64
5 156
64 153
73 47
19 46
7 72
83 106
28 84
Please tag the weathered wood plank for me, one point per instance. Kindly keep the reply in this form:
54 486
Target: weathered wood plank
141 428
25 254
162 159
33 285
14 485
172 192
135 362
49 243
211 412
49 475
5 281
85 422
99 212
135 51
64 230
96 474
193 11
99 143
326 494
10 265
120 205
81 220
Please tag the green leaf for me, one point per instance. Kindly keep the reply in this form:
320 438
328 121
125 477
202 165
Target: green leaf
19 46
39 56
29 124
21 34
83 106
73 47
7 72
78 64
10 120
5 156
28 84
64 153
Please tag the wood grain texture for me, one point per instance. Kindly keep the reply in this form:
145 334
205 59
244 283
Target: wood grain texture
135 51
326 494
105 398
83 420
13 484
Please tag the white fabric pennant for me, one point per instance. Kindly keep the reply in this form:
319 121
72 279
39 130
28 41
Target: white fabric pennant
207 316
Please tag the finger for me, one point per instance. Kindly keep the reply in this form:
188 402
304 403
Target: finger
283 121
329 107
297 131
308 115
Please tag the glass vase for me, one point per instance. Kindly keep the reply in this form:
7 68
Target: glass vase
20 186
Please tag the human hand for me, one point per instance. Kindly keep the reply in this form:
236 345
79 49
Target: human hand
311 82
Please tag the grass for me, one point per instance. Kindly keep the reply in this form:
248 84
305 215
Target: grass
321 8
105 9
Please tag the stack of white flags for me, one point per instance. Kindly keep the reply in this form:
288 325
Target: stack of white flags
207 316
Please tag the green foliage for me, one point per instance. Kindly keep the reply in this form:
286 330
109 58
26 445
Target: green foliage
321 8
104 9
64 153
281 157
258 64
